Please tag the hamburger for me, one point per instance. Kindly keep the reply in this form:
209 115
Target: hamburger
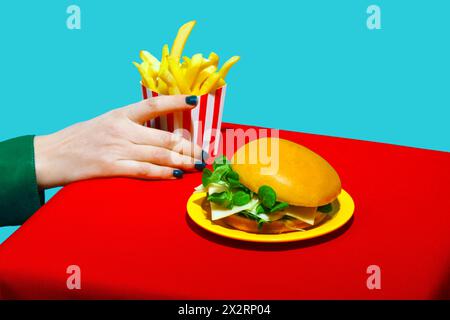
295 190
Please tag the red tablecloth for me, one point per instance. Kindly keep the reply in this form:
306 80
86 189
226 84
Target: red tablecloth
133 239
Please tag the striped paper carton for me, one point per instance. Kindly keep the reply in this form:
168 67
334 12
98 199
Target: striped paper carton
201 124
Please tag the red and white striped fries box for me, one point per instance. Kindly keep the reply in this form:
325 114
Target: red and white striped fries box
201 124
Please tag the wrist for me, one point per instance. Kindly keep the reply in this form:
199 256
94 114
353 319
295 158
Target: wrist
44 158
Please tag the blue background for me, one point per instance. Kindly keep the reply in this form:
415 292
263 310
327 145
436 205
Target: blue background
310 66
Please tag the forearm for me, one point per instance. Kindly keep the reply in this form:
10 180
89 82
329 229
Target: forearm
20 196
51 154
114 144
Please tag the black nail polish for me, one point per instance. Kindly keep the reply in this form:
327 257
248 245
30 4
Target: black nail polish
192 100
205 156
178 173
200 166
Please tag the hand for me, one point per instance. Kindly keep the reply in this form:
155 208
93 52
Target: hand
116 144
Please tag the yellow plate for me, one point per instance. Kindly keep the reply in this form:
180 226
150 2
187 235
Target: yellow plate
343 208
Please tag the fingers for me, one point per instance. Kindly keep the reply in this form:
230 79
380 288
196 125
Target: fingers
164 157
149 136
145 170
150 108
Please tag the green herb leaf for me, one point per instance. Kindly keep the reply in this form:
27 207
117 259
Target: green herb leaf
245 189
279 206
206 175
267 196
220 172
241 198
214 177
260 209
325 208
232 178
232 175
223 198
235 184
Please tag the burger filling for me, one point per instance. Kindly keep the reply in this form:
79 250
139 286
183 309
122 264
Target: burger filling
227 196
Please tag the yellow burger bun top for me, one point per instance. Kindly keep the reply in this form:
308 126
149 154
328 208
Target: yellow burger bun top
298 175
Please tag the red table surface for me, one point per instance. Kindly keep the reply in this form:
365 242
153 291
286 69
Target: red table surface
133 239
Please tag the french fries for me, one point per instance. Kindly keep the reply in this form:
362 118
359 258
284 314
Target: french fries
195 75
180 40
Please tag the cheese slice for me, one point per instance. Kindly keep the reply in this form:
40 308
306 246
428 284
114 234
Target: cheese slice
219 212
305 214
199 189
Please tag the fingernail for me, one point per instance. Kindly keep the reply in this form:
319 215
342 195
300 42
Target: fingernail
200 166
205 156
192 100
178 173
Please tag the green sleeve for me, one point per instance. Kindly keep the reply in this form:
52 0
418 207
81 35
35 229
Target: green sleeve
20 196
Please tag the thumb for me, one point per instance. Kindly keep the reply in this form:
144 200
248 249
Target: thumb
153 107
